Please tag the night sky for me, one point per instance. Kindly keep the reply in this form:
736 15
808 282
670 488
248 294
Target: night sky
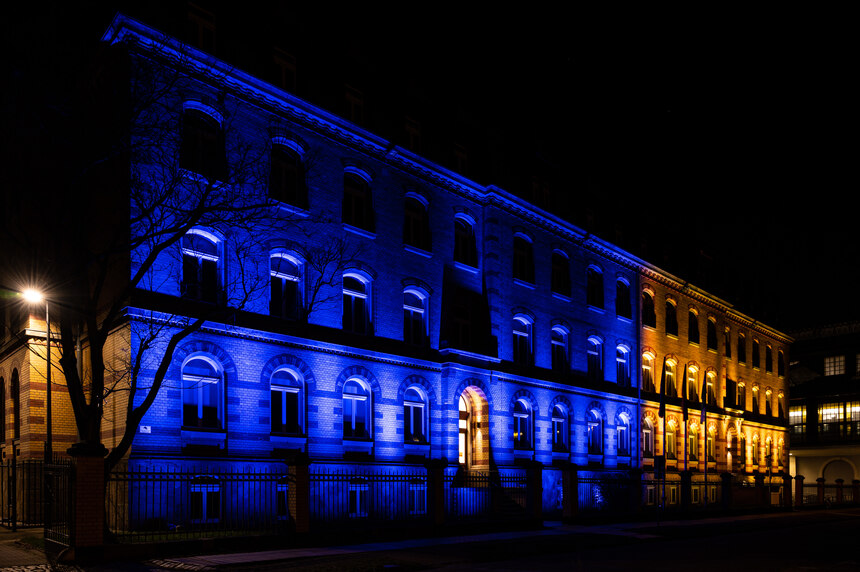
717 146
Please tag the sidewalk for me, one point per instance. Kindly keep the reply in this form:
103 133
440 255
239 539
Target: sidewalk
15 553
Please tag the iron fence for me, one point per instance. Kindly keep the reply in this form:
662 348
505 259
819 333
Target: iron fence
21 493
59 501
356 496
147 505
476 495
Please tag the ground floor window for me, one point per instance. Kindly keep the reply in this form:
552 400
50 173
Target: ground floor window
358 491
205 501
417 497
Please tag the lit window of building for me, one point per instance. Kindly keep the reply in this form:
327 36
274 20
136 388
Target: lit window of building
560 349
415 317
357 410
415 415
595 358
559 428
594 428
200 267
522 425
202 398
287 403
622 366
356 303
834 365
522 338
285 298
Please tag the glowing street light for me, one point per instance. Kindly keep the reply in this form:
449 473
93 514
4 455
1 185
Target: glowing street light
34 297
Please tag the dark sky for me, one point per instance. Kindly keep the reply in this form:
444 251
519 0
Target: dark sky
718 137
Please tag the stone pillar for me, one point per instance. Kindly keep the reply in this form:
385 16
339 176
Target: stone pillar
798 490
686 489
839 494
534 488
300 501
820 482
436 490
569 492
726 483
786 491
88 521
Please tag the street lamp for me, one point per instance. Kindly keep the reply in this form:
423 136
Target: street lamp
34 297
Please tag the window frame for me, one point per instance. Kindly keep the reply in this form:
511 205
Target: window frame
560 437
522 427
523 340
523 266
294 387
416 222
560 273
357 206
465 241
416 318
560 349
421 404
288 155
366 326
207 285
197 390
594 295
291 312
359 402
594 352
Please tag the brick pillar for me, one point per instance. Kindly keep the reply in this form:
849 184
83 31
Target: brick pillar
786 491
436 490
569 492
839 484
300 503
798 490
726 483
534 488
820 482
88 522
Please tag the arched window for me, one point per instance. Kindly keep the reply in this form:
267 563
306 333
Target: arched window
202 393
465 249
416 223
756 451
2 412
647 438
781 405
742 396
522 334
692 384
623 434
693 443
559 428
415 316
780 363
756 354
712 334
286 292
415 416
595 358
560 279
202 150
671 318
742 348
522 425
768 359
287 402
671 388
594 287
623 308
357 202
649 314
594 427
287 176
768 407
200 267
357 410
671 442
693 327
356 303
755 408
710 388
727 342
622 366
560 349
524 264
648 372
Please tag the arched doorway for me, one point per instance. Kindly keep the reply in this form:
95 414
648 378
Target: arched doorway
473 440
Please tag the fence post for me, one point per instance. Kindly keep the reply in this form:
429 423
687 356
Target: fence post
569 492
726 484
300 503
534 487
436 490
820 481
87 534
786 491
798 490
839 485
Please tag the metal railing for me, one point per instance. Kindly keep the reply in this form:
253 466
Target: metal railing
21 493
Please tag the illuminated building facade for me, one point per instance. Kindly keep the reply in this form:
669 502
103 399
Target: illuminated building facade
462 324
824 411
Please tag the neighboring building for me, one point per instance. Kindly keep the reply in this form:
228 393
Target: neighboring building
824 411
465 325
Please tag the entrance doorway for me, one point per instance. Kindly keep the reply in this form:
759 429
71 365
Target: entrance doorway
473 442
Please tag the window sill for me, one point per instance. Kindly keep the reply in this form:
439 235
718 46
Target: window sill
292 209
359 231
466 267
357 446
524 454
420 449
211 437
282 441
561 297
597 309
418 251
624 319
560 454
524 283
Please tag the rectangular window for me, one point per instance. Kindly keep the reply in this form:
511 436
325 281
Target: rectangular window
205 501
834 365
282 500
358 493
417 498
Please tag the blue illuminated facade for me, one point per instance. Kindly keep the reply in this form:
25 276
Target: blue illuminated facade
461 324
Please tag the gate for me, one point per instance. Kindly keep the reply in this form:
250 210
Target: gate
59 501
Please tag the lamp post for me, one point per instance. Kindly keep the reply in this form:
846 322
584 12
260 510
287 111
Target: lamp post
34 297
